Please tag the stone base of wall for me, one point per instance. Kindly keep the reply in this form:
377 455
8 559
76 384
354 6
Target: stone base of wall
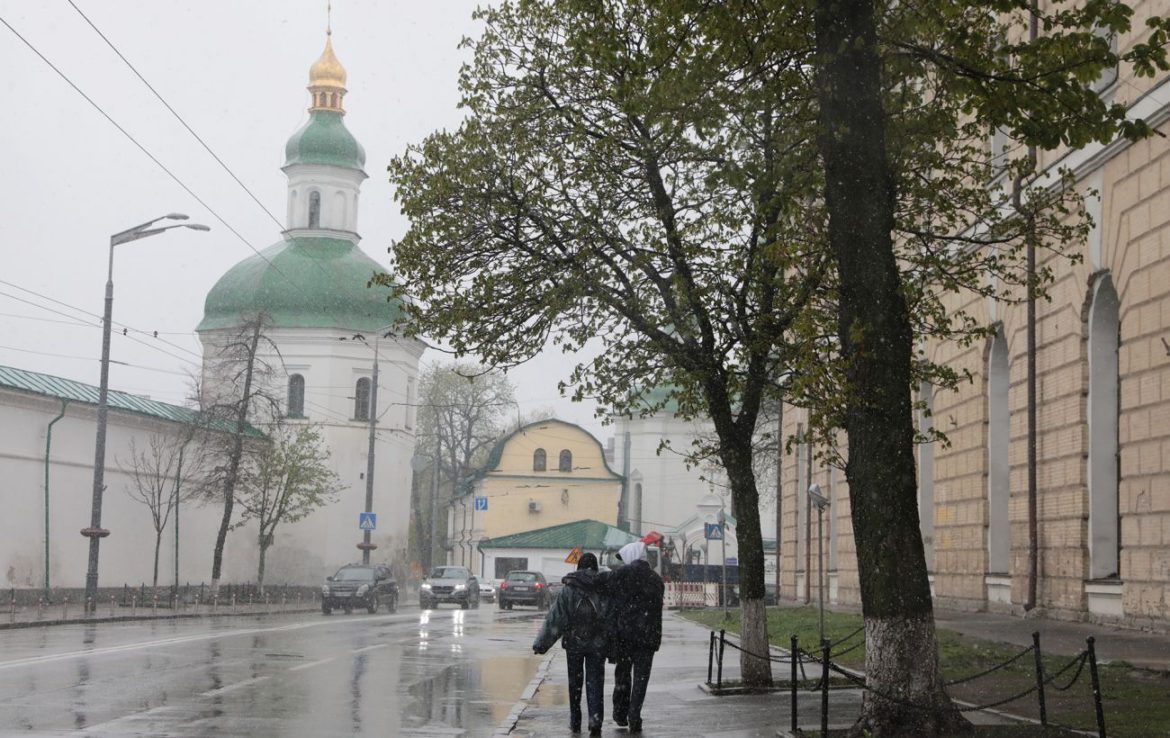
1105 599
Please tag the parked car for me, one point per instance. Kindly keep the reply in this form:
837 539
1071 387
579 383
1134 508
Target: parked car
356 585
455 584
487 592
524 588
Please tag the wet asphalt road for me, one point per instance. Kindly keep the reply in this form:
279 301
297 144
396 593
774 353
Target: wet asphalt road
441 672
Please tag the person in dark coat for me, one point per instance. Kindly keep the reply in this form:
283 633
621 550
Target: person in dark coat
635 618
578 618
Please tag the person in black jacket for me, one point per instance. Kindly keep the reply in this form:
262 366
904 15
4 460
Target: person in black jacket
635 618
578 618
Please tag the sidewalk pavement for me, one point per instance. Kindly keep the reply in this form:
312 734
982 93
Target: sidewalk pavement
676 706
1066 638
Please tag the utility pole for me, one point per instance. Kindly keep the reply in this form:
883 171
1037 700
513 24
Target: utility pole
366 546
434 510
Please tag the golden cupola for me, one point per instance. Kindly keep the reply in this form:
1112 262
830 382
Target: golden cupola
327 80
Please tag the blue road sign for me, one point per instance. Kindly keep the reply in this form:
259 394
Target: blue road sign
480 504
367 521
713 531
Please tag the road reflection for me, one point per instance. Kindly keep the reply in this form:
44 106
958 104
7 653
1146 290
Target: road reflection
432 673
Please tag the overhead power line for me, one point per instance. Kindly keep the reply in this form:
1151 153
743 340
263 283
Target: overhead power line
144 150
152 334
178 117
90 358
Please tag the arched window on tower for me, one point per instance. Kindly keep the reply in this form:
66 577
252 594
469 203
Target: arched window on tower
1104 327
314 209
361 399
296 396
566 461
539 460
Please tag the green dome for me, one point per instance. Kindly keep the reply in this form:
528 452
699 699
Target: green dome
325 140
303 282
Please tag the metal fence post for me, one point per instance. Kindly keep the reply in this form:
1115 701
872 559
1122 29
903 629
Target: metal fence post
710 656
825 647
795 654
722 641
1096 687
1039 677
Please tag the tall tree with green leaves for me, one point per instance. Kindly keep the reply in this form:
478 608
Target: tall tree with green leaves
285 481
906 90
617 178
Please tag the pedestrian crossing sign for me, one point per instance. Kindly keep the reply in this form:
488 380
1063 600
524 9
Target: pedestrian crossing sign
713 531
367 521
574 555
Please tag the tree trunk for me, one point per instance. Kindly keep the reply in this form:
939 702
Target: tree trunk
737 460
877 342
260 568
234 459
157 546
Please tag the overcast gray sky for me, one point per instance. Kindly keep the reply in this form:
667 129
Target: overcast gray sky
236 72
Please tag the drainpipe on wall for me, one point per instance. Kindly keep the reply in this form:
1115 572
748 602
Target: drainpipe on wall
1030 235
624 500
48 448
779 490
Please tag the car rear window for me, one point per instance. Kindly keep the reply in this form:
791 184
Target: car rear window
354 575
521 576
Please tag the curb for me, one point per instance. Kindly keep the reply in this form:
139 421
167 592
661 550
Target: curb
137 618
505 728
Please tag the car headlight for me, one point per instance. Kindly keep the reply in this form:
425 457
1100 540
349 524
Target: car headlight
425 586
460 586
363 589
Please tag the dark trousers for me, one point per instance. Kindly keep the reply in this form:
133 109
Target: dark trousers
587 669
630 677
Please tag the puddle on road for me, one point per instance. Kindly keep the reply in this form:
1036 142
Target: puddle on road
467 695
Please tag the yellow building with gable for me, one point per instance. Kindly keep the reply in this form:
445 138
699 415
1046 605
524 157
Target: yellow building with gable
542 474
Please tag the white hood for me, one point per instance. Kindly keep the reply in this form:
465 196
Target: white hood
632 552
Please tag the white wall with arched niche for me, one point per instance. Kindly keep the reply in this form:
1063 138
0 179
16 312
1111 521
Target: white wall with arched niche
1104 330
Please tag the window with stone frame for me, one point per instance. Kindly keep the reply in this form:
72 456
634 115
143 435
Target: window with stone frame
361 399
296 396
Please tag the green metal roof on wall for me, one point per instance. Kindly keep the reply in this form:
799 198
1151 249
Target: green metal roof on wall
68 389
588 534
325 140
303 282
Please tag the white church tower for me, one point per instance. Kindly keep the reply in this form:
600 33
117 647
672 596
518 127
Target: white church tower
310 289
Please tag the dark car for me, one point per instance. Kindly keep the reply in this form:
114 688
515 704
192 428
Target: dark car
356 585
524 588
455 584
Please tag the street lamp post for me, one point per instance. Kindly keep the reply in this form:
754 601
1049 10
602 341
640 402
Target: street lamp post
95 532
721 518
822 502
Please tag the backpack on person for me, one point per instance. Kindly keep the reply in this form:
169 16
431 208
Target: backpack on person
586 623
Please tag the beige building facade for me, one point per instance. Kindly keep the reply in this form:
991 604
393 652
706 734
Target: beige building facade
546 473
1102 418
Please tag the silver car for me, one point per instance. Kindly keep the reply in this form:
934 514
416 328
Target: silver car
487 592
454 584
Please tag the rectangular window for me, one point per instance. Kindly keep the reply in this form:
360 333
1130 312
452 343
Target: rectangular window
505 564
